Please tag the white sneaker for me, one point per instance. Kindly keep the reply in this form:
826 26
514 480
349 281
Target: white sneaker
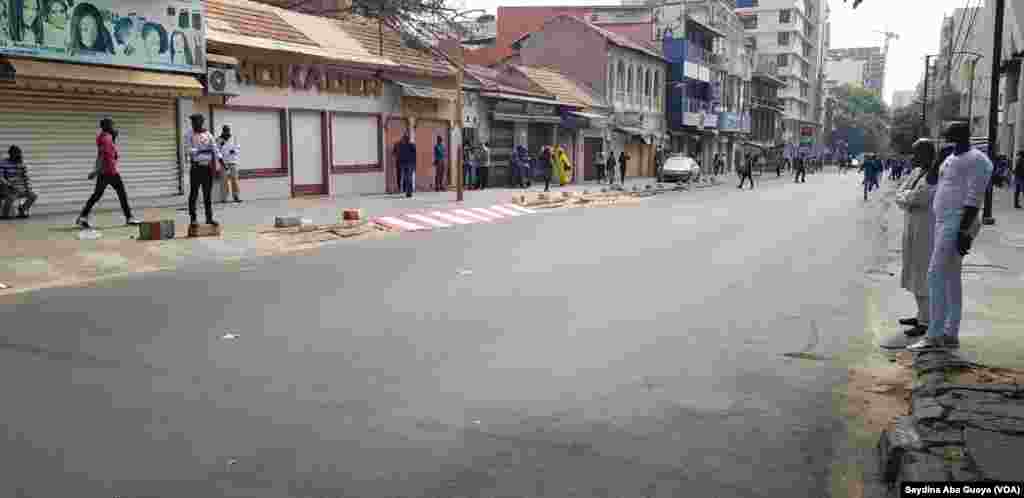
82 222
133 221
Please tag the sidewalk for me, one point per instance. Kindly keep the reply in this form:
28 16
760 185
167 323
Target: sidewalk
966 408
46 251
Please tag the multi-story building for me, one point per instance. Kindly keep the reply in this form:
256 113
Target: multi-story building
860 66
958 33
766 107
792 32
630 76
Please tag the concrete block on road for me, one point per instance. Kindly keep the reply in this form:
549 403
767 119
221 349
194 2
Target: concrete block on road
204 231
156 230
351 215
287 221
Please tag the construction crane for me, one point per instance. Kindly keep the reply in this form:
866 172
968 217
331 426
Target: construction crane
889 35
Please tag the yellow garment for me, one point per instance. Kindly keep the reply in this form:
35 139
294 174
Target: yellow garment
563 166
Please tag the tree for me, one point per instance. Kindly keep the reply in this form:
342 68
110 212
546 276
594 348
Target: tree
906 128
425 21
861 120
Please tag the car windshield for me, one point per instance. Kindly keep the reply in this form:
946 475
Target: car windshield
679 163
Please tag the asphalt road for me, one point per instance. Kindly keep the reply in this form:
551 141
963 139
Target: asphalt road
601 352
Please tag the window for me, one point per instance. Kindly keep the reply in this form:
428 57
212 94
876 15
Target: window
784 16
749 22
611 83
805 69
647 89
803 90
657 90
630 90
783 38
782 60
620 84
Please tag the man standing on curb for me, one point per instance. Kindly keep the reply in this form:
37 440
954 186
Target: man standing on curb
747 172
800 166
963 178
405 153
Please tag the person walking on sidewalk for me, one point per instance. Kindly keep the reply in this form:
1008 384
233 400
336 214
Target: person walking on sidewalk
963 178
440 167
747 171
800 166
230 154
545 162
1018 179
523 168
564 165
610 167
204 156
106 173
623 160
14 184
405 154
485 166
918 233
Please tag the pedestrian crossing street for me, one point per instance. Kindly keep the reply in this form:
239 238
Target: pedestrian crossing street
431 220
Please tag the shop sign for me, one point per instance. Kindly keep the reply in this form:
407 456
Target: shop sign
165 35
729 121
695 119
806 135
696 72
306 77
540 109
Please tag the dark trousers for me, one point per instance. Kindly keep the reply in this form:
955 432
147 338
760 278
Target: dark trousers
1018 189
406 171
101 185
439 176
11 197
200 177
482 177
622 174
801 175
747 174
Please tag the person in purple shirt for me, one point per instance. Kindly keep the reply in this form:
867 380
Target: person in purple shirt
963 178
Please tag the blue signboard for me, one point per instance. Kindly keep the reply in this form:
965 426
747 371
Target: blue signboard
166 35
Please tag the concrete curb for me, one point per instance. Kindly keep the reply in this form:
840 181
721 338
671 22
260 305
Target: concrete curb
954 432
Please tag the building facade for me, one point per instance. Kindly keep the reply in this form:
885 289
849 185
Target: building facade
860 67
630 76
792 32
902 98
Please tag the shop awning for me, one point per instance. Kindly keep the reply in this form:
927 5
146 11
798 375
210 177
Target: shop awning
427 92
106 79
588 115
526 118
522 98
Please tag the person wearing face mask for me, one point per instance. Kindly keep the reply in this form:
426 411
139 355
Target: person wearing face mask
229 153
107 174
963 178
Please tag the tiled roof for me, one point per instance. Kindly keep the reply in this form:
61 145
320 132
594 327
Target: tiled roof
367 33
613 38
559 85
493 80
252 19
352 39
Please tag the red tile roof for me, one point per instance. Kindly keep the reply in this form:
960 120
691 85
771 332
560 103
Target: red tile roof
494 80
613 38
253 19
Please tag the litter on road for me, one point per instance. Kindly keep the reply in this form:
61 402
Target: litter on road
229 336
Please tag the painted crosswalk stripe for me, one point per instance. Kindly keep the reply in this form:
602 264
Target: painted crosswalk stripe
484 212
471 215
521 209
507 211
428 220
451 217
400 223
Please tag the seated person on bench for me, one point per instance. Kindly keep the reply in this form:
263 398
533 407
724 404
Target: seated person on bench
14 184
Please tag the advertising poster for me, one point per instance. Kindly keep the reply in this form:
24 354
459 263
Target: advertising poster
166 35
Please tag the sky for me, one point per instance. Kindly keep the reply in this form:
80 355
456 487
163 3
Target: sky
917 22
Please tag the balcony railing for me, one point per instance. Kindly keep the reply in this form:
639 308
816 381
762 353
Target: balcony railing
767 102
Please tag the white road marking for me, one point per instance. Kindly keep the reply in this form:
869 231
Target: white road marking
489 214
471 215
400 223
429 221
451 217
506 211
521 209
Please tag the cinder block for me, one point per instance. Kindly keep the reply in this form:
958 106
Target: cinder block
156 230
204 231
287 221
351 215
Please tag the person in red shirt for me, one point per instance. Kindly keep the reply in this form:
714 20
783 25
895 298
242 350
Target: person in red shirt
106 173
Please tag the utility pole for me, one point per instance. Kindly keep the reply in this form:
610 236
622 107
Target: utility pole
970 93
993 105
924 99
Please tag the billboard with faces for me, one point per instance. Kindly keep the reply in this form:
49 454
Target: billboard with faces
164 35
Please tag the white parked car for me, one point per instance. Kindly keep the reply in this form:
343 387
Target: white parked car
679 168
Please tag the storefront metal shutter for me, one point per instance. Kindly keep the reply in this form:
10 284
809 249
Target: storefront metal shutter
57 134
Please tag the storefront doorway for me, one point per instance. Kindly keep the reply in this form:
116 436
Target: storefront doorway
309 170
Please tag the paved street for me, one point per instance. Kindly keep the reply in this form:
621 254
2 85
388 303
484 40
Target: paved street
598 352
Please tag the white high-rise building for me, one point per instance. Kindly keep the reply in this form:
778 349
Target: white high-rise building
792 34
902 98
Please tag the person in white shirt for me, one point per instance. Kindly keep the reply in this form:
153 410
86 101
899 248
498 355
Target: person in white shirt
205 157
963 179
230 154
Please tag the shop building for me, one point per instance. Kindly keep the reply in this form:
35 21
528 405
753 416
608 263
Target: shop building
57 89
317 106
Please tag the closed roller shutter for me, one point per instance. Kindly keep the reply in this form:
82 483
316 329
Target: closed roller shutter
57 133
258 134
355 142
